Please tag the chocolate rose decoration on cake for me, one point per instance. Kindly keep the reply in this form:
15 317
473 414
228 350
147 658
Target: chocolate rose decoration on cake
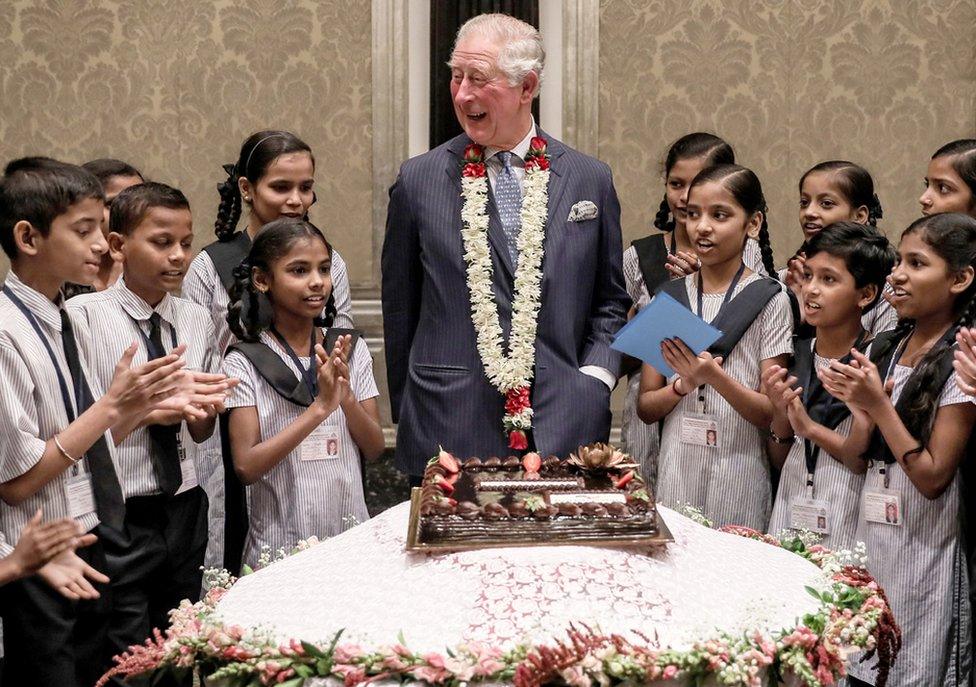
600 456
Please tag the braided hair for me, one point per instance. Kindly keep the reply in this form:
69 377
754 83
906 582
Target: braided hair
744 186
273 241
953 238
713 151
963 154
855 184
257 153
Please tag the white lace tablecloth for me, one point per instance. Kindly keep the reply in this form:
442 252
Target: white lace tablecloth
364 582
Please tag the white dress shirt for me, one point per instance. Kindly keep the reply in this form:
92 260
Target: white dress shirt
111 320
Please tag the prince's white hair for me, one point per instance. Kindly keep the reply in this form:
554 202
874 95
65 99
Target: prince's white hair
520 48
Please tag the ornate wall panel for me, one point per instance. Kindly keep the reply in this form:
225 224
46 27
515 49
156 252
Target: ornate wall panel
174 86
789 83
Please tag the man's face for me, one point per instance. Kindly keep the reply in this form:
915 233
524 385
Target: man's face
491 111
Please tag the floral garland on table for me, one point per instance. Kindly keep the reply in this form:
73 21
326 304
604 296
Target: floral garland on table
511 374
854 615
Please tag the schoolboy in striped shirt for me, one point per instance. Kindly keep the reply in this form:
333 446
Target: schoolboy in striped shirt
151 235
54 452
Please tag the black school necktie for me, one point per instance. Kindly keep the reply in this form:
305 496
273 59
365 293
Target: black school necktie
165 453
109 503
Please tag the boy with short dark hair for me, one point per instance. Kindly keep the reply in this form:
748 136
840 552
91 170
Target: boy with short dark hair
815 439
54 451
165 508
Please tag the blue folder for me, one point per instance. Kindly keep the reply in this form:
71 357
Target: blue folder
663 318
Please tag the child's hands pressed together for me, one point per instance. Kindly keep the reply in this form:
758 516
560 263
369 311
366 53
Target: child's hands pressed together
694 370
682 263
794 277
858 384
333 373
965 360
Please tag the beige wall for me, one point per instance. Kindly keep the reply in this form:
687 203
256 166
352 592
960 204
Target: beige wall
789 83
174 87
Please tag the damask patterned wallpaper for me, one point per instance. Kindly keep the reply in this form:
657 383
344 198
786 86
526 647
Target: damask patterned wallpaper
174 86
789 83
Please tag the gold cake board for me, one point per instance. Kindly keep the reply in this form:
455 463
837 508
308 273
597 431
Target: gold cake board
414 545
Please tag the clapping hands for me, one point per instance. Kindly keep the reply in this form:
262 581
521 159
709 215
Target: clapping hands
48 549
200 396
682 263
333 373
857 384
794 276
965 360
787 399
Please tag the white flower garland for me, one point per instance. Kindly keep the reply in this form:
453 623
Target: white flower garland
515 370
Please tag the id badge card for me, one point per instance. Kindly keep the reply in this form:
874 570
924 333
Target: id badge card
322 444
883 506
81 496
699 429
810 514
188 471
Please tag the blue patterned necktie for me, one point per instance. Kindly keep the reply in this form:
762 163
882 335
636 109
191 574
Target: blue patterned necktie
508 200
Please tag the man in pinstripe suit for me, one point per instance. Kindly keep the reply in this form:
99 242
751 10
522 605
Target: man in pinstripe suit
439 392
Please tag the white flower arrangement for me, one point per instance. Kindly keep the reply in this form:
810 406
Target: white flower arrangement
514 371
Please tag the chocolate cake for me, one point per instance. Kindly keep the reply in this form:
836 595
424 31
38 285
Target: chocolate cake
596 494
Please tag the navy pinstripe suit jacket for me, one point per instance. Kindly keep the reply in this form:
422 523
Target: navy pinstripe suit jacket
439 393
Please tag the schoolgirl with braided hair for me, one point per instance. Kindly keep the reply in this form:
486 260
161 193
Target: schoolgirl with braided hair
836 191
660 256
911 503
729 479
273 177
950 180
298 450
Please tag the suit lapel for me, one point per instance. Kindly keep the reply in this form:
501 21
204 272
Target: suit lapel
557 178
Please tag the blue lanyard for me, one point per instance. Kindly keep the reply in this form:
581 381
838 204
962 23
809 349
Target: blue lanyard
307 374
78 384
728 292
725 301
811 451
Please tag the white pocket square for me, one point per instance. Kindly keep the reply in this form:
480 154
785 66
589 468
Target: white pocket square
583 211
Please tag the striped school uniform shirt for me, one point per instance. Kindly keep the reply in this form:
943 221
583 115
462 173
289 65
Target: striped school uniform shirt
31 406
730 483
922 568
202 285
110 321
641 440
833 482
298 498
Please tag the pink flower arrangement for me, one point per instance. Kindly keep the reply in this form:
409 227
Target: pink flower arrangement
854 616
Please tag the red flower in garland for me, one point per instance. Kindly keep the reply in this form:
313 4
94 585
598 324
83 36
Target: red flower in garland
474 159
474 153
517 440
517 400
474 169
537 157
